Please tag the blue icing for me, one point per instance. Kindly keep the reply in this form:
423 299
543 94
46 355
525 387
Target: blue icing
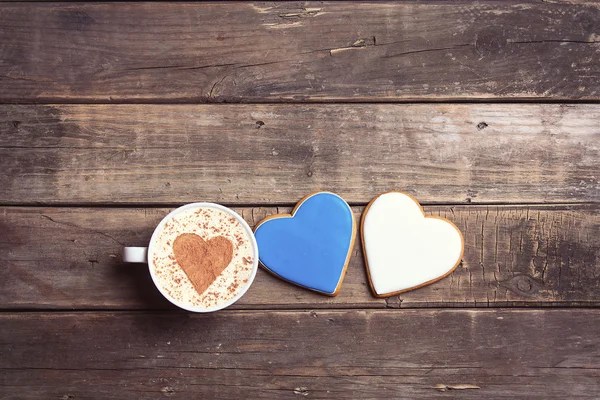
310 248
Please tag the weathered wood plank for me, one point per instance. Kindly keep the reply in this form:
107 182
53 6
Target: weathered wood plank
553 354
299 51
63 258
276 154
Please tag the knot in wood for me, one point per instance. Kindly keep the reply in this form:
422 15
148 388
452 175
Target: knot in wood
587 20
490 43
524 284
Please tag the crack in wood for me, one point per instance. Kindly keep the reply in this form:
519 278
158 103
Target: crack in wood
428 50
178 67
82 228
552 41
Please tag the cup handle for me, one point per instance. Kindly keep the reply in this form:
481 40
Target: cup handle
135 254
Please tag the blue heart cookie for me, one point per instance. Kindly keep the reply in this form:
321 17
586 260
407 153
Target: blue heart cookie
312 246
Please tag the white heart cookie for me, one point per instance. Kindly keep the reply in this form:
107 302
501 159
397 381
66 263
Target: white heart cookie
405 250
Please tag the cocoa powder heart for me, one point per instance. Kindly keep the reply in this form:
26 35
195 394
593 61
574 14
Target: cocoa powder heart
202 260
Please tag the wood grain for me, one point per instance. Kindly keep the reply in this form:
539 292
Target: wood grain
69 258
276 154
298 51
553 354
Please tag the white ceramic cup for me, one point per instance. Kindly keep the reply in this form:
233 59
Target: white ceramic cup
144 254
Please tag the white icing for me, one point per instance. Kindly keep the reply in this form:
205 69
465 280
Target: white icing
403 248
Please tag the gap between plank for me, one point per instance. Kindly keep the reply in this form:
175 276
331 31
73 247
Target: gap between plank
186 101
252 205
295 310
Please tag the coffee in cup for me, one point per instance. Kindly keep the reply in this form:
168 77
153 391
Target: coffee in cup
202 257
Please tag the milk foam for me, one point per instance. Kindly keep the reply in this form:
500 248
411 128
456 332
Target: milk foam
207 223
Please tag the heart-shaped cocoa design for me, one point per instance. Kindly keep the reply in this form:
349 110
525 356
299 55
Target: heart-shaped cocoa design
202 260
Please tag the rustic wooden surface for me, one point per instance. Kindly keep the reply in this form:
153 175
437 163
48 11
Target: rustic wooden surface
83 172
63 258
366 354
299 51
276 154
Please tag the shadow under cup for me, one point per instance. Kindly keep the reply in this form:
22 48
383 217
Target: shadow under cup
169 277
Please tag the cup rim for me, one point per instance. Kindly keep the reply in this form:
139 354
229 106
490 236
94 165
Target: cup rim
246 227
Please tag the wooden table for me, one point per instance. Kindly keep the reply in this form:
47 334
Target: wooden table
112 114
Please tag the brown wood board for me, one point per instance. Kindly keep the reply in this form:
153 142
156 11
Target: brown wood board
78 181
70 258
276 154
368 354
298 51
